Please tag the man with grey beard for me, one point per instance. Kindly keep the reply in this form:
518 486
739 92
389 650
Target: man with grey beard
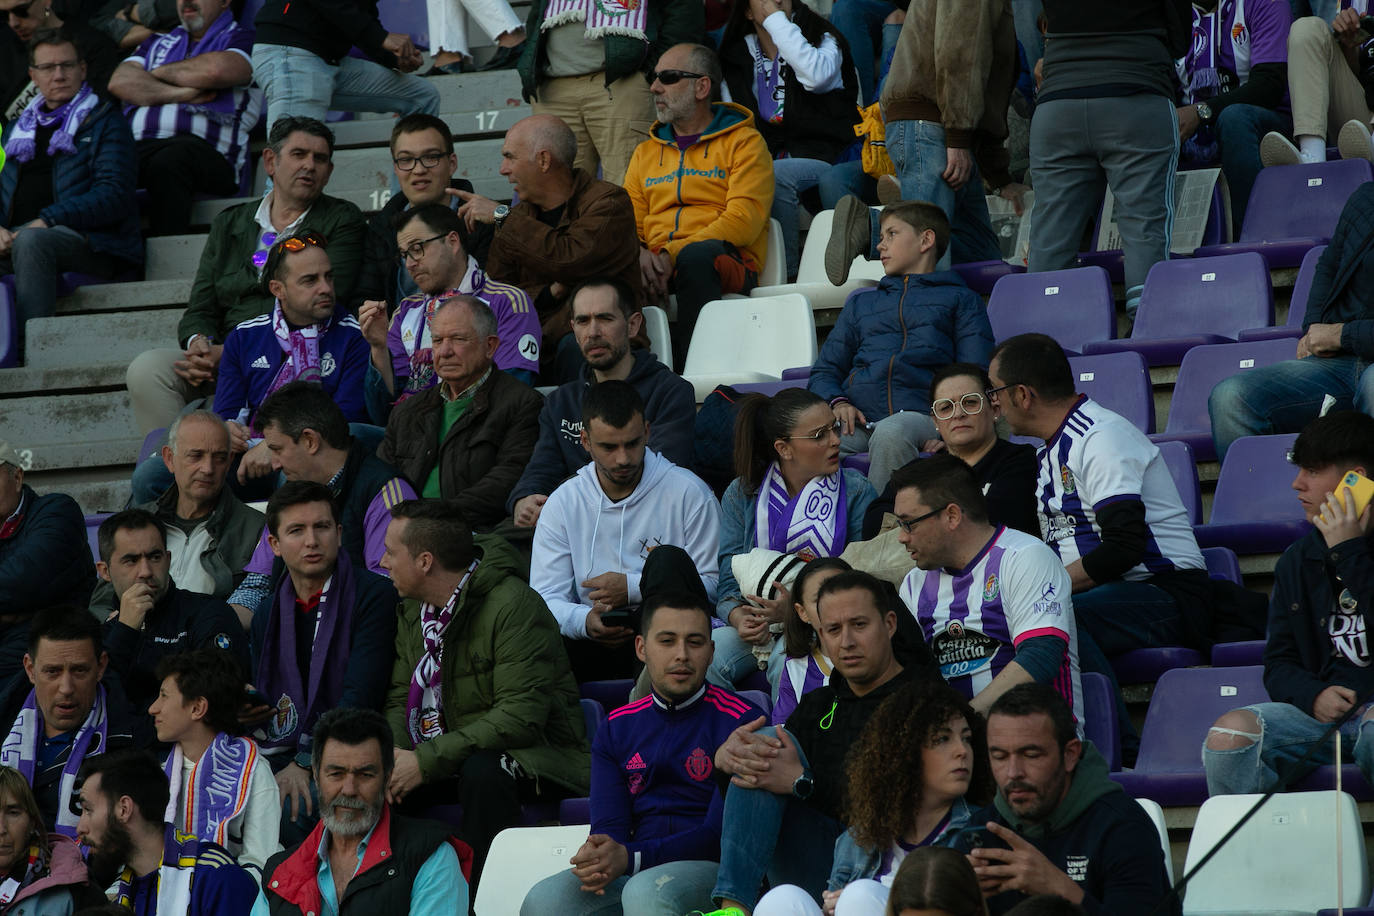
361 857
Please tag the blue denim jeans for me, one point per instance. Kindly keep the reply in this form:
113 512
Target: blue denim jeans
670 889
1239 130
299 82
1286 733
847 178
861 24
790 178
734 659
774 835
917 149
1284 397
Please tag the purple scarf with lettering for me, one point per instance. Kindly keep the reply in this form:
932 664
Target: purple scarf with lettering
217 790
812 524
22 148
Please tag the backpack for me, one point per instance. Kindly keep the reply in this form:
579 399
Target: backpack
713 451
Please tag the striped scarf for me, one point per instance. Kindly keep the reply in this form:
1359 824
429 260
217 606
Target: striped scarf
603 17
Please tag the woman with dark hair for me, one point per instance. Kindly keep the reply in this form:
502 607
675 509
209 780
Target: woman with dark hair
806 666
936 880
41 874
917 772
791 69
791 496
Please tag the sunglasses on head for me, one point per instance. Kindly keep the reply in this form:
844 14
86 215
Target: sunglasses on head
670 77
295 243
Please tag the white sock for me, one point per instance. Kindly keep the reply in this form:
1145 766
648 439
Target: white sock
1312 149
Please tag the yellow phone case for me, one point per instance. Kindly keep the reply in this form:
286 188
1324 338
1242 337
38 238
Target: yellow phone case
1361 488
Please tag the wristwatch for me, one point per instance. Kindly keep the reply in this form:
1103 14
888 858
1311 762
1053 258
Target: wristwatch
498 216
803 786
1204 112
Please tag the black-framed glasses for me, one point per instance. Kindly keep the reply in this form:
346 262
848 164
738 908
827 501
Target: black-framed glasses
415 251
908 524
821 432
991 391
62 66
971 403
670 77
428 160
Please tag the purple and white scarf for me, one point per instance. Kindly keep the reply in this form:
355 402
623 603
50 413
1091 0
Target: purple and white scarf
424 702
422 349
813 524
22 148
1199 71
20 751
603 17
769 89
217 790
302 349
175 46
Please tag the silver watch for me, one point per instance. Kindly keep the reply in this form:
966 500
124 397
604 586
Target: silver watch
498 216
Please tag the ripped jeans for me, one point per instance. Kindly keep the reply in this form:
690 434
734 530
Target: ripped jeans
1286 733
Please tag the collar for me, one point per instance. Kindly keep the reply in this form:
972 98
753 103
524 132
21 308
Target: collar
469 391
19 509
1079 400
264 217
308 606
679 707
335 483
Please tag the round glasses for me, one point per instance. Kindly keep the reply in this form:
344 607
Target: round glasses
971 403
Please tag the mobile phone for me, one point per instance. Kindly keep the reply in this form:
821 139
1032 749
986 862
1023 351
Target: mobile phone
255 697
1361 489
621 617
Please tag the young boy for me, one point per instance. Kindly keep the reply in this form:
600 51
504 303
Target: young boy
222 790
875 367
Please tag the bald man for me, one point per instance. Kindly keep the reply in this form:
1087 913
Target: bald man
568 227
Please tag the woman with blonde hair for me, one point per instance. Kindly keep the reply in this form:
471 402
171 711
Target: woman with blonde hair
41 874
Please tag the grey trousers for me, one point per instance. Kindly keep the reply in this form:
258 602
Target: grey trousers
1079 147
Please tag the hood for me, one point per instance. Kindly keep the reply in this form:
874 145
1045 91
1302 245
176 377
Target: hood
610 530
65 868
643 364
1090 782
499 560
725 116
932 279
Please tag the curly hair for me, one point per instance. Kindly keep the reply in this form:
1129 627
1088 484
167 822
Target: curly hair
886 776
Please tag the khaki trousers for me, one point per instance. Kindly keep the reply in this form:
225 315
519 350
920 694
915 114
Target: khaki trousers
608 121
1324 91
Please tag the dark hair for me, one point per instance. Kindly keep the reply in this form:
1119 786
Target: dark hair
276 257
417 121
882 799
799 637
436 526
287 125
439 218
852 579
1342 438
737 27
297 406
956 370
1037 361
921 215
936 878
760 422
64 623
51 36
213 674
613 402
126 520
102 909
298 493
132 772
352 727
943 479
678 601
1045 905
625 298
1034 699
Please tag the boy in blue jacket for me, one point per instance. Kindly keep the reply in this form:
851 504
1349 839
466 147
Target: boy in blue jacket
876 365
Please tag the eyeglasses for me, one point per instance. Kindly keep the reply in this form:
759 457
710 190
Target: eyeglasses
670 77
970 404
416 250
428 160
62 66
820 433
908 524
991 391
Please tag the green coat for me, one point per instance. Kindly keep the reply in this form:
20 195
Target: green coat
507 685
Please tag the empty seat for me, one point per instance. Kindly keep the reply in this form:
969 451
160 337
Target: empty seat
982 276
1072 306
1185 703
1297 304
1254 509
1222 563
520 858
1100 725
1178 458
1119 382
660 337
1193 301
1144 666
811 279
766 335
1202 368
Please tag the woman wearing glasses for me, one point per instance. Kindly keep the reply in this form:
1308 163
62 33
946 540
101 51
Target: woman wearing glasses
790 495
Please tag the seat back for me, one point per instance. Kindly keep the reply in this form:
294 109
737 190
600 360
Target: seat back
660 338
1254 484
1203 367
1185 703
759 698
765 335
1156 813
520 858
811 266
1219 295
1100 724
1072 306
592 716
1178 458
774 270
1302 287
1120 382
93 532
769 388
1283 859
1222 563
610 695
1301 201
409 17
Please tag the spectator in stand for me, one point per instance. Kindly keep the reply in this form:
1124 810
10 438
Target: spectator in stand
870 28
584 66
402 365
604 319
482 704
67 195
25 19
470 436
876 366
1105 118
702 186
131 24
301 60
806 666
966 419
1334 354
1317 657
44 557
49 873
655 812
569 227
790 495
448 34
191 106
228 288
1235 81
792 70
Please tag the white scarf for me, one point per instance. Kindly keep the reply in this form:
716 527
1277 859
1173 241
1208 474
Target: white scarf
813 524
603 17
20 751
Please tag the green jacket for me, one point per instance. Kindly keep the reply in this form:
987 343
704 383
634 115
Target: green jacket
670 22
227 289
507 685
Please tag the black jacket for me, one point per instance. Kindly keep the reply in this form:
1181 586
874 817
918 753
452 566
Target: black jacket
47 560
328 28
1343 284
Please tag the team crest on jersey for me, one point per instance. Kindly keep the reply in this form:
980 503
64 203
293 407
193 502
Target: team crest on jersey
991 587
327 364
698 765
1066 479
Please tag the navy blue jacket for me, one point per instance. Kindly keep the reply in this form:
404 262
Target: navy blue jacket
48 560
93 188
1343 284
888 342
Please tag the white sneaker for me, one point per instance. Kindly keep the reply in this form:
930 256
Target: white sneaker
1354 142
1276 149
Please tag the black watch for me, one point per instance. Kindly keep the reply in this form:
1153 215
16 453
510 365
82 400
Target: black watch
803 786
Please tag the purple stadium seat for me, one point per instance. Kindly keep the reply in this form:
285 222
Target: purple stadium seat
575 811
1194 301
1100 725
769 388
1072 306
801 373
1297 306
1202 368
1144 666
1222 563
858 462
1186 702
1178 458
760 698
92 532
407 17
1238 654
1119 382
151 443
9 332
1294 208
610 694
1352 781
982 276
1254 509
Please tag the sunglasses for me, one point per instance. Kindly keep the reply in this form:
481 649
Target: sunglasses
970 404
671 77
291 243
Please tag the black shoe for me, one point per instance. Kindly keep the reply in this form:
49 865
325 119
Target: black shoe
505 58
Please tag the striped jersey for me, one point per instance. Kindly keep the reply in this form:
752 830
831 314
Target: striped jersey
1096 458
973 619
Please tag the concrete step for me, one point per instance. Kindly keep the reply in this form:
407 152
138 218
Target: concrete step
30 380
70 430
98 340
478 91
467 124
370 169
118 297
96 490
173 257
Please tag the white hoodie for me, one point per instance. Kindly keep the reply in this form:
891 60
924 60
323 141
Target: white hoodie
582 534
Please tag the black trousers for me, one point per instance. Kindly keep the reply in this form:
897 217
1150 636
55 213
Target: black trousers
174 170
702 273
